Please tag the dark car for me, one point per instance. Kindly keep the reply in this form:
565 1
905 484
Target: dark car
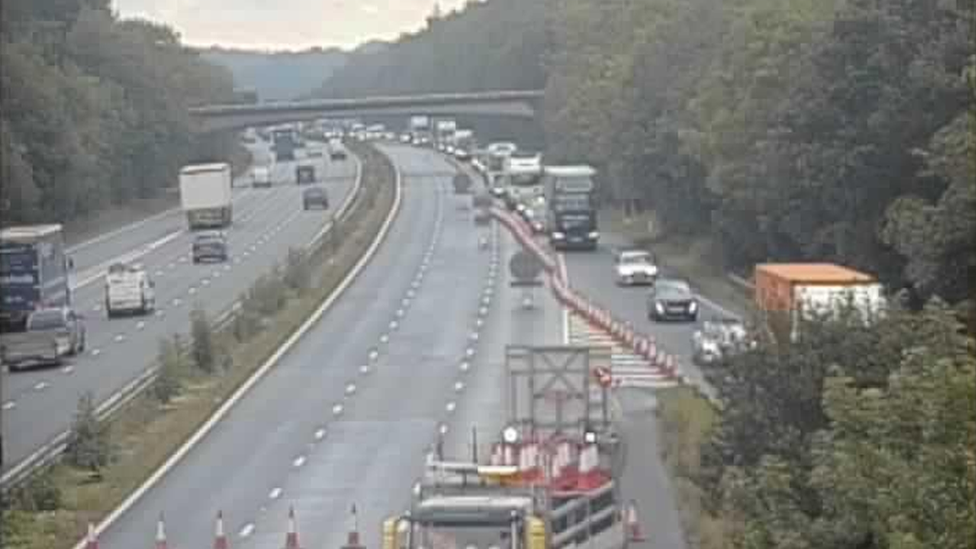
672 299
316 196
305 175
211 247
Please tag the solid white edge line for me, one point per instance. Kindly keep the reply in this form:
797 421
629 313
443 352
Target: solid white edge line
115 232
565 310
616 409
225 408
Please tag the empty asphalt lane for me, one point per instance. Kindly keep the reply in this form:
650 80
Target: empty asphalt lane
44 400
275 440
484 405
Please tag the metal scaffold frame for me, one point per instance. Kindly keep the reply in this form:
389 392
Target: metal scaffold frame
562 374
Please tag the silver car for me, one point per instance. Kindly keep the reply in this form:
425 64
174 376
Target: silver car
720 339
635 267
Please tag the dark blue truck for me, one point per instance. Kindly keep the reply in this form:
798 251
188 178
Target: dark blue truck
571 209
33 273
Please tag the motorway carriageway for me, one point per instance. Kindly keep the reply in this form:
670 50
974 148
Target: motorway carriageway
39 403
409 318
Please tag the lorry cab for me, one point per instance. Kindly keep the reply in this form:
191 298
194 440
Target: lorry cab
570 194
467 522
128 289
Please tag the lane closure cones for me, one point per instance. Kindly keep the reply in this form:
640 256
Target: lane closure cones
91 541
291 538
220 539
632 524
161 532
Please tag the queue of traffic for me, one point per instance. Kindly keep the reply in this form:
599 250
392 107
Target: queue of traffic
39 324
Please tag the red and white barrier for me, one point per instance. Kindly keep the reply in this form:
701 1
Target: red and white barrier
597 316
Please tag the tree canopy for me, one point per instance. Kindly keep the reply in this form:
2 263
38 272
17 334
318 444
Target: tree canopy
784 130
95 109
868 443
838 130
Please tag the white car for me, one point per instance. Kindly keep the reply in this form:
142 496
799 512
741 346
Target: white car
635 267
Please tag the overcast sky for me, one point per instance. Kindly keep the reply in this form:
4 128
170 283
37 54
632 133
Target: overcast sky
285 24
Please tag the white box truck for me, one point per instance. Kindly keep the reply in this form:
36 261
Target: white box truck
205 193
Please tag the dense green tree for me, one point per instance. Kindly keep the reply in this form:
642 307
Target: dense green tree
95 109
784 129
831 455
825 130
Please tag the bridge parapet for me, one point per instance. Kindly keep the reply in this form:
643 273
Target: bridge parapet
509 103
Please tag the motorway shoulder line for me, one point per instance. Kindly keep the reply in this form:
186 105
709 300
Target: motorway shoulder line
242 391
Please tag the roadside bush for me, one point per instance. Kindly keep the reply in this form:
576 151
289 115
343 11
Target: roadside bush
202 347
40 494
89 445
298 275
267 296
168 384
17 531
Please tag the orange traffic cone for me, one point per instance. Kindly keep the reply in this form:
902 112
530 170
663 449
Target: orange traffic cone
632 524
161 533
91 541
291 538
220 539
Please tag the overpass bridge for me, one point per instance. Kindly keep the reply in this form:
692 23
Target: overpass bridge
516 104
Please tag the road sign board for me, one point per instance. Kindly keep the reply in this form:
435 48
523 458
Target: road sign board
603 376
524 265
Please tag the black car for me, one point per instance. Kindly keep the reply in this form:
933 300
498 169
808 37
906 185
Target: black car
672 299
305 175
210 246
315 196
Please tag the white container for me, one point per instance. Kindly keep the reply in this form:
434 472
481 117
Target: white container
206 194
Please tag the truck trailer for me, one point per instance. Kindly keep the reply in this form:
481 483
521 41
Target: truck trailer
34 271
205 194
789 293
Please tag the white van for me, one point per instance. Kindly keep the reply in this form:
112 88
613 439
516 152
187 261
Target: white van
260 177
128 289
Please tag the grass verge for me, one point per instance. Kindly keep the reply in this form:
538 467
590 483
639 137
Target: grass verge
691 258
54 510
686 420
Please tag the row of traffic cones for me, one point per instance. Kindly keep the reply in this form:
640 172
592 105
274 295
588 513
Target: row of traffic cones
220 537
643 345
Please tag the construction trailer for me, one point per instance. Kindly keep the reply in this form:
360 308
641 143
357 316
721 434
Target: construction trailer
547 482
